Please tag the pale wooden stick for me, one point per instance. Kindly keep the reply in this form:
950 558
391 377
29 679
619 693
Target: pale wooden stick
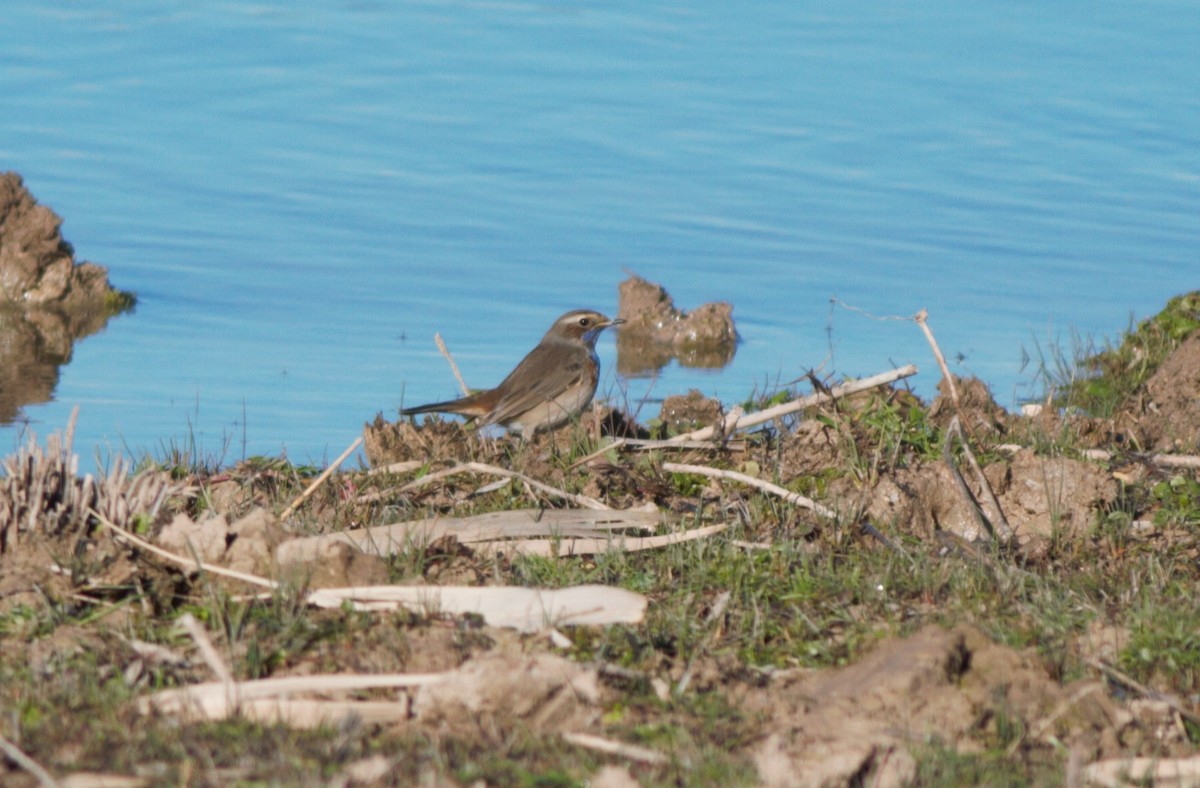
14 754
288 512
753 419
1005 530
640 444
207 650
718 610
609 747
551 548
480 467
1166 460
615 445
462 384
181 560
765 486
396 467
920 319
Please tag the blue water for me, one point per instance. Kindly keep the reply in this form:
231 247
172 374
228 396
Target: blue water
302 194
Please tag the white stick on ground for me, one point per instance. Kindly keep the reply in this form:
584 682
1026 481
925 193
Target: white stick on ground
462 384
765 486
631 751
288 512
762 416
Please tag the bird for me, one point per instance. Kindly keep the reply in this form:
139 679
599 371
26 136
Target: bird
551 385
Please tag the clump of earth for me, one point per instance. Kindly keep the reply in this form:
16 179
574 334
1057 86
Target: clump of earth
655 331
48 301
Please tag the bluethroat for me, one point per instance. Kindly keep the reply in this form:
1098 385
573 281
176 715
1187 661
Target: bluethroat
551 385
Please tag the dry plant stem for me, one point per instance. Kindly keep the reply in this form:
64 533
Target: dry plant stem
288 512
763 416
920 319
462 384
190 563
614 446
14 754
610 747
765 486
1004 531
1142 689
396 468
207 650
1165 460
480 467
718 610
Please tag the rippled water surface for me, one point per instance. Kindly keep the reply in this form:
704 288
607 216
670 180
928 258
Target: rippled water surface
302 194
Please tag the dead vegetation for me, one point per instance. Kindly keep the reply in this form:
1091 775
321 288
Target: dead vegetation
851 587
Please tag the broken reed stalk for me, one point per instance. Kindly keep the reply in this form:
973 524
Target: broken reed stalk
207 650
14 754
921 321
1004 532
479 467
189 563
294 505
609 747
762 416
1165 460
765 486
462 384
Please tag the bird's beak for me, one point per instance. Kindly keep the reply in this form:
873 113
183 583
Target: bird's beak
615 322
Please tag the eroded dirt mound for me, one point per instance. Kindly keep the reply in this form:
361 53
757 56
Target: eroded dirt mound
655 331
1165 414
47 301
857 725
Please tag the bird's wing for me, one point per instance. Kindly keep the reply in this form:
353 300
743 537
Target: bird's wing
541 376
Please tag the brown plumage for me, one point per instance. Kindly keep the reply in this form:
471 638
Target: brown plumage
551 385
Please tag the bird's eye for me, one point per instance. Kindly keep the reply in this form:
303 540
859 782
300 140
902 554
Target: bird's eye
584 322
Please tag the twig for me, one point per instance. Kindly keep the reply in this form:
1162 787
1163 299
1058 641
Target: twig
14 754
762 416
615 445
717 610
462 384
1166 460
190 563
955 429
396 468
1143 690
1006 531
640 444
207 650
920 319
479 467
288 512
610 747
765 486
